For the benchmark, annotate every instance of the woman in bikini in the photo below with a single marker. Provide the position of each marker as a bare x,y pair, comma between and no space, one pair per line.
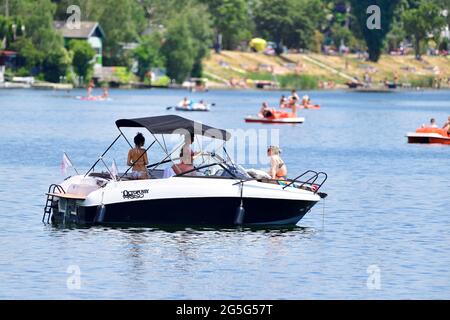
137,157
278,169
187,156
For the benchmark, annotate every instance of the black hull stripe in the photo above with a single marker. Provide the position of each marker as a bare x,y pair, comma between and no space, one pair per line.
194,211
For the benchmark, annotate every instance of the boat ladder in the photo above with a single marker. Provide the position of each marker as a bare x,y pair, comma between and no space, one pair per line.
50,200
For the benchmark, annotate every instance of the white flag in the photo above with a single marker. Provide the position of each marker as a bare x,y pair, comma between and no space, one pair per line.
114,170
65,163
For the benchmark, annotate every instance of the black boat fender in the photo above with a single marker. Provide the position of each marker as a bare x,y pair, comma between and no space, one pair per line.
240,211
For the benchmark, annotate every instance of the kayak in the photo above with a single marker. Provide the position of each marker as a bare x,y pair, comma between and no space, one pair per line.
194,107
429,136
277,117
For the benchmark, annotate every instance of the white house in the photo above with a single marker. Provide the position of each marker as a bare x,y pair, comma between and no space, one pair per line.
90,31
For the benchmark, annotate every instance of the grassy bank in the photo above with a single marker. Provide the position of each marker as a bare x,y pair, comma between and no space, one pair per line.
305,71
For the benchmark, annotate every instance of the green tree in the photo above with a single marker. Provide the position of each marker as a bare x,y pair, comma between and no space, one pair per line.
341,34
56,64
289,22
148,54
274,20
230,19
374,38
83,56
123,21
179,50
40,47
90,9
202,36
420,22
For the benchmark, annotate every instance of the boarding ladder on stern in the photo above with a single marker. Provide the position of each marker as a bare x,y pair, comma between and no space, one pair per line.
52,190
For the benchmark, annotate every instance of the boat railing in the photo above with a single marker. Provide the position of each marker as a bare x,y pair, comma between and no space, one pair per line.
314,180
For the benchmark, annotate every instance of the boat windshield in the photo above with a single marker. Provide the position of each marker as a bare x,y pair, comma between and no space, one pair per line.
212,165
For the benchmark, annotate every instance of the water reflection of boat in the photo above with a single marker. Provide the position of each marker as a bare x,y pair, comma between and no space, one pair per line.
429,136
215,192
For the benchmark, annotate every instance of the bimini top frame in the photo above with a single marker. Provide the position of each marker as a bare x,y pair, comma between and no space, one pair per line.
172,124
169,124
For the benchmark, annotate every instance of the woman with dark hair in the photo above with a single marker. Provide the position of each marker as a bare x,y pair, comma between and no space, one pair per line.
137,157
186,156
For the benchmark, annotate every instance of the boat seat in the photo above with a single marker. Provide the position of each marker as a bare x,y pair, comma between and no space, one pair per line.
156,174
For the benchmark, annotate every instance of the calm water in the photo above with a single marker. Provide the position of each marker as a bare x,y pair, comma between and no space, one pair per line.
388,205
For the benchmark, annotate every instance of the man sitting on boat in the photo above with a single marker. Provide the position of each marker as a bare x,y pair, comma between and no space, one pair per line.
433,124
185,103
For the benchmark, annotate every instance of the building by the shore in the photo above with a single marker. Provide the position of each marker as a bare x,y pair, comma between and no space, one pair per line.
90,31
6,60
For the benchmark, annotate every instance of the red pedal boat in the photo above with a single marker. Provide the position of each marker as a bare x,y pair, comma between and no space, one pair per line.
277,117
428,136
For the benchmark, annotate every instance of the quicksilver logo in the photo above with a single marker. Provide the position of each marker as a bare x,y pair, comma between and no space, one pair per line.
135,194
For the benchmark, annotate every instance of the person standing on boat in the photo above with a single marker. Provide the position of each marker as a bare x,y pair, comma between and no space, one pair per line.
283,101
137,157
293,100
90,87
278,169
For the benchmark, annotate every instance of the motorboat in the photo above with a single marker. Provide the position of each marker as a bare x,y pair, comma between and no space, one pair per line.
216,192
428,135
277,116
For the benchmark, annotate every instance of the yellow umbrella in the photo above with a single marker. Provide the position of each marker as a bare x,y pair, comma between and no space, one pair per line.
258,44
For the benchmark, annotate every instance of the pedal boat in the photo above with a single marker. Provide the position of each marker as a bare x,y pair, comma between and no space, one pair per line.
429,136
217,192
278,117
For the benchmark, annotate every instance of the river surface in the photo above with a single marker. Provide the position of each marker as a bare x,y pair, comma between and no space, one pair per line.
383,232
